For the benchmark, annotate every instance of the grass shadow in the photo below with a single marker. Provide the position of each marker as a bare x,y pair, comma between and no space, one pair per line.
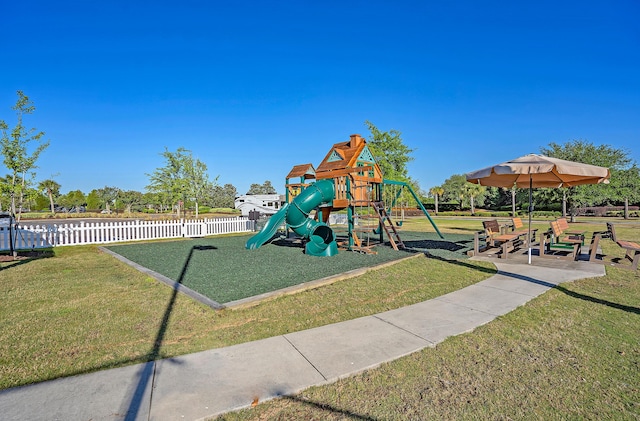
23,257
434,245
147,375
462,263
574,294
331,409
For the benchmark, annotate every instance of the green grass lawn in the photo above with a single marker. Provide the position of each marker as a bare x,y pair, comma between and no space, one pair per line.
83,310
573,353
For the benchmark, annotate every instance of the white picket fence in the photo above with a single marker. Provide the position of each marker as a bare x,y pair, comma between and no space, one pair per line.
53,235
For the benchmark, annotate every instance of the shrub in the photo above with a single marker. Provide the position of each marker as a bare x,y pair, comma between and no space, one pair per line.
546,214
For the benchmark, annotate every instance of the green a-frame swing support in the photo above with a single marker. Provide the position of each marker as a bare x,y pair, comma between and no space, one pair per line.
404,185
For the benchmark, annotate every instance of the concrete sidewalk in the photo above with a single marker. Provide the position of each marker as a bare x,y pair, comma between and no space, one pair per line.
204,384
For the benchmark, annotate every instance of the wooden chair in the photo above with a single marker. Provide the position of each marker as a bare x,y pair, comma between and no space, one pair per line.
632,250
568,231
494,238
552,248
518,227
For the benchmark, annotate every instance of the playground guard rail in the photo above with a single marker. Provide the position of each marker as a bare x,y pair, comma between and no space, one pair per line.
70,234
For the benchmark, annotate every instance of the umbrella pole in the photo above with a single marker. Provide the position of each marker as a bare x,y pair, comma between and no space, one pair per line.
530,210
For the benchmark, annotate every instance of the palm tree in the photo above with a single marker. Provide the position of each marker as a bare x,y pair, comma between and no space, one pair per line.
513,201
474,190
436,191
51,188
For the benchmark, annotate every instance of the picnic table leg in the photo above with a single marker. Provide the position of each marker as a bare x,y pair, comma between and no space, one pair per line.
545,246
476,244
593,252
636,259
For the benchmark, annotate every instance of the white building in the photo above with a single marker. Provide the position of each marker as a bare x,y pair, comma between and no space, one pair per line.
266,204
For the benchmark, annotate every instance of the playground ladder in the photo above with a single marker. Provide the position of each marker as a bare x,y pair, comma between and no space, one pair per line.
388,226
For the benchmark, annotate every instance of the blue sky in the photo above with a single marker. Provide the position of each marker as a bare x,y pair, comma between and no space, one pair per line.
254,88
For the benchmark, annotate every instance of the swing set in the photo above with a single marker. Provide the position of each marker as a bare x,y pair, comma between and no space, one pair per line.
396,190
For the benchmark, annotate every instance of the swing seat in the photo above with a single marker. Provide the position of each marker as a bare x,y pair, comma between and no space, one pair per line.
399,223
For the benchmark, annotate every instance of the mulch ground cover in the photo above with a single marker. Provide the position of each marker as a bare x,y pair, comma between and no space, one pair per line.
25,255
221,269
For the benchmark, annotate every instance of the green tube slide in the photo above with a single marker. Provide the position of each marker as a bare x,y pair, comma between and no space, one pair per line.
269,229
320,238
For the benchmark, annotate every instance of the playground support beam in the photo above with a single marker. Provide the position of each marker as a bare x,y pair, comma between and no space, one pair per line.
417,199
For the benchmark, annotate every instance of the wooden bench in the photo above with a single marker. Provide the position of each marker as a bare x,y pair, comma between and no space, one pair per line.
552,248
518,227
569,232
632,250
495,239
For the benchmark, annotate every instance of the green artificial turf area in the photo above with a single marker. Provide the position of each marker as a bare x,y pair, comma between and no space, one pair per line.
221,269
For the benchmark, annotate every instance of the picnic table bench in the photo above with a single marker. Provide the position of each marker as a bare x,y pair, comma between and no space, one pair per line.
495,238
553,245
518,227
632,249
569,232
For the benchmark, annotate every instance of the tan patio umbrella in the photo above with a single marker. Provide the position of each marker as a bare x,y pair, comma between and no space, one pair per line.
539,171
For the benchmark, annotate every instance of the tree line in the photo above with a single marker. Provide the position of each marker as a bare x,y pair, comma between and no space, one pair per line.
623,188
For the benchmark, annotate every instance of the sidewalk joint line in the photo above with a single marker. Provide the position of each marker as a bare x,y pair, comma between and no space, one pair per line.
153,383
469,308
305,357
516,292
429,343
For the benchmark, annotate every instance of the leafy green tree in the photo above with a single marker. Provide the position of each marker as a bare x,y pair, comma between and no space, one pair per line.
52,189
626,184
615,159
198,183
475,193
391,154
159,200
495,197
15,147
455,189
73,199
30,200
169,181
40,201
406,196
513,194
182,178
265,188
131,199
5,193
108,196
93,200
151,201
223,196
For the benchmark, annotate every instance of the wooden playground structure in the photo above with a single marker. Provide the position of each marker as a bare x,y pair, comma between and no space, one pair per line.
360,189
